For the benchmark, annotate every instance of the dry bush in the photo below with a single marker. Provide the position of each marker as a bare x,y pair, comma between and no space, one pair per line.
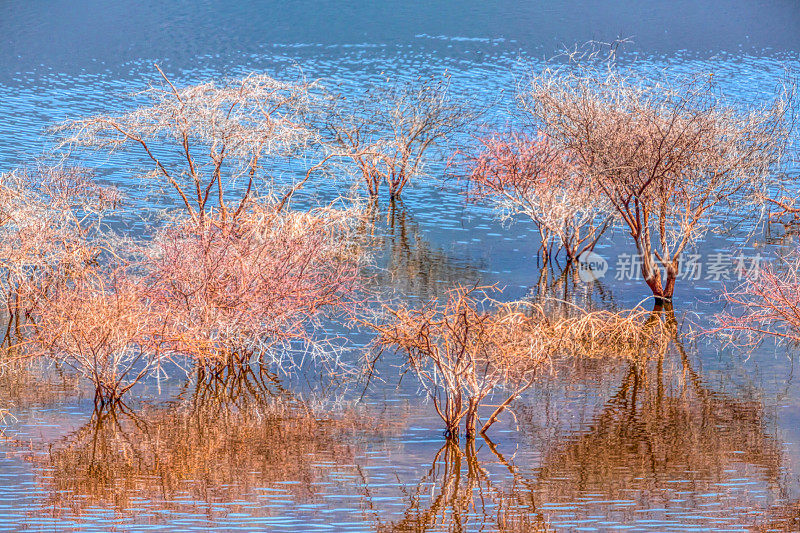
51,227
70,295
217,290
391,131
100,322
471,347
767,304
461,353
668,154
223,133
524,175
574,331
233,291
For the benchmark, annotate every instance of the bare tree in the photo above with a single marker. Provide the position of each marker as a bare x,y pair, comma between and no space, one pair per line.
235,292
470,347
51,226
667,154
766,304
462,353
523,175
222,132
392,130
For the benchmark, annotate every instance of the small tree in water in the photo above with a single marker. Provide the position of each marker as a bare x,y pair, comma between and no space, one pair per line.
524,175
391,131
667,155
222,133
239,292
462,352
470,347
70,291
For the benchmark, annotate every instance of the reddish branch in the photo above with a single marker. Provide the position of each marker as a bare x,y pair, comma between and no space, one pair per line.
527,175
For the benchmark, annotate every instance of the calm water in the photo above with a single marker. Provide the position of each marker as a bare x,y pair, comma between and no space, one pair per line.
707,440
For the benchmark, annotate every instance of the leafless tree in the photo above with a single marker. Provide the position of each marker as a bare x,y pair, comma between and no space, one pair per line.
524,175
224,132
391,131
667,153
470,347
241,291
766,304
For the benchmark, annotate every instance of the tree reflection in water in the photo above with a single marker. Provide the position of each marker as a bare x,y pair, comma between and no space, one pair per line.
665,442
236,438
458,493
413,265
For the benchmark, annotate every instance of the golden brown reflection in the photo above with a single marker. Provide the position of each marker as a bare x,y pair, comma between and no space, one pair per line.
24,384
458,493
413,265
236,437
782,518
665,440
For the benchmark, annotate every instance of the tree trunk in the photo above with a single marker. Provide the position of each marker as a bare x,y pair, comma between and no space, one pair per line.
452,410
669,285
471,419
662,289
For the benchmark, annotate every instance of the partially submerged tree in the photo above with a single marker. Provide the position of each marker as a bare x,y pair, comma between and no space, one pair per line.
222,135
70,294
462,352
216,289
391,132
766,304
470,348
235,292
524,175
99,322
667,154
240,274
51,227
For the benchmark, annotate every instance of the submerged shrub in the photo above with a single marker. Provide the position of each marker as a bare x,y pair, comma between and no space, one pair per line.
462,352
523,175
219,289
70,294
251,288
100,322
668,154
51,227
575,331
766,304
471,347
223,132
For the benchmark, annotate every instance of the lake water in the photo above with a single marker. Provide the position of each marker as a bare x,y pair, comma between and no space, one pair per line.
706,438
